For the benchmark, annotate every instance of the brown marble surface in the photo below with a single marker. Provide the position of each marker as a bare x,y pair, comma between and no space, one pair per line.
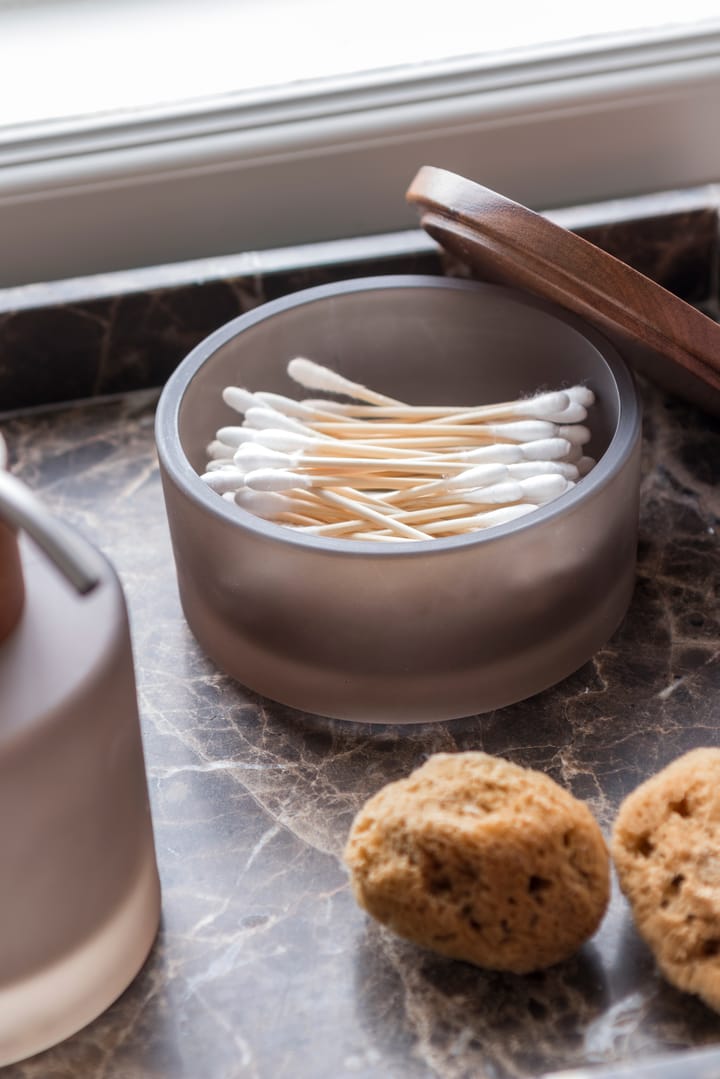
264,967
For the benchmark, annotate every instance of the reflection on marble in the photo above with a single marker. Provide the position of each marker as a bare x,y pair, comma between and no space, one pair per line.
264,967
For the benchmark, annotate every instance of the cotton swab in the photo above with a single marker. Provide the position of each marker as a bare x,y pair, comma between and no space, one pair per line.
581,395
519,431
315,377
539,406
238,398
576,434
224,479
251,456
524,469
219,449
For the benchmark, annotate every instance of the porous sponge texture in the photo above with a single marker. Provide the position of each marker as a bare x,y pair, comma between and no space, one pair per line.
479,859
666,849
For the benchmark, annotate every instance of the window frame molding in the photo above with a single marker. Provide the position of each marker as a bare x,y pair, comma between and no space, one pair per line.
553,126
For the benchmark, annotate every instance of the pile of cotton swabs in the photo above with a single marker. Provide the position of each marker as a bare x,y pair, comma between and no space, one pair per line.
383,470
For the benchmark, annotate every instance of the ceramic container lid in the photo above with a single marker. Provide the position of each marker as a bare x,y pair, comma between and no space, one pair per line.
660,335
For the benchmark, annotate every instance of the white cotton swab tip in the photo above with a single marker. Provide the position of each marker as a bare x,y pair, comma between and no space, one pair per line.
581,395
264,503
522,430
575,433
542,406
238,398
541,489
574,413
479,476
496,453
231,436
219,449
262,418
286,441
276,479
523,470
545,449
315,377
251,456
224,479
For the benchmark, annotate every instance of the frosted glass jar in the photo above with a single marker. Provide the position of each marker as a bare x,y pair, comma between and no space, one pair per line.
416,631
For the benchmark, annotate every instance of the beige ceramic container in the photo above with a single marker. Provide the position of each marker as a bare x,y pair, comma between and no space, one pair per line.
79,889
417,631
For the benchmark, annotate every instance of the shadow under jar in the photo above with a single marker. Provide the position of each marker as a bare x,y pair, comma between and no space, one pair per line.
418,631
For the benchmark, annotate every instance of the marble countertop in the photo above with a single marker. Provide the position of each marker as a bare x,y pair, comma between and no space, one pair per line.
264,967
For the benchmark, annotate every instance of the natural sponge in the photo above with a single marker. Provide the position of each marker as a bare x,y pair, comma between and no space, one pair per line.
479,859
666,848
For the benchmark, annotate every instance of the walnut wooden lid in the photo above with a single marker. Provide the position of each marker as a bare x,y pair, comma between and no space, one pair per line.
660,335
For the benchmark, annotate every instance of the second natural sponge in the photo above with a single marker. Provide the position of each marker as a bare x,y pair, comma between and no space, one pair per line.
666,848
479,859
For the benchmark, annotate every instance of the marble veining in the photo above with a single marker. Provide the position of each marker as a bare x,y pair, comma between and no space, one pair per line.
264,967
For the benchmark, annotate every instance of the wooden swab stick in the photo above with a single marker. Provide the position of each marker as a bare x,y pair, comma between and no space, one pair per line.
419,516
520,431
478,522
284,440
360,509
272,506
